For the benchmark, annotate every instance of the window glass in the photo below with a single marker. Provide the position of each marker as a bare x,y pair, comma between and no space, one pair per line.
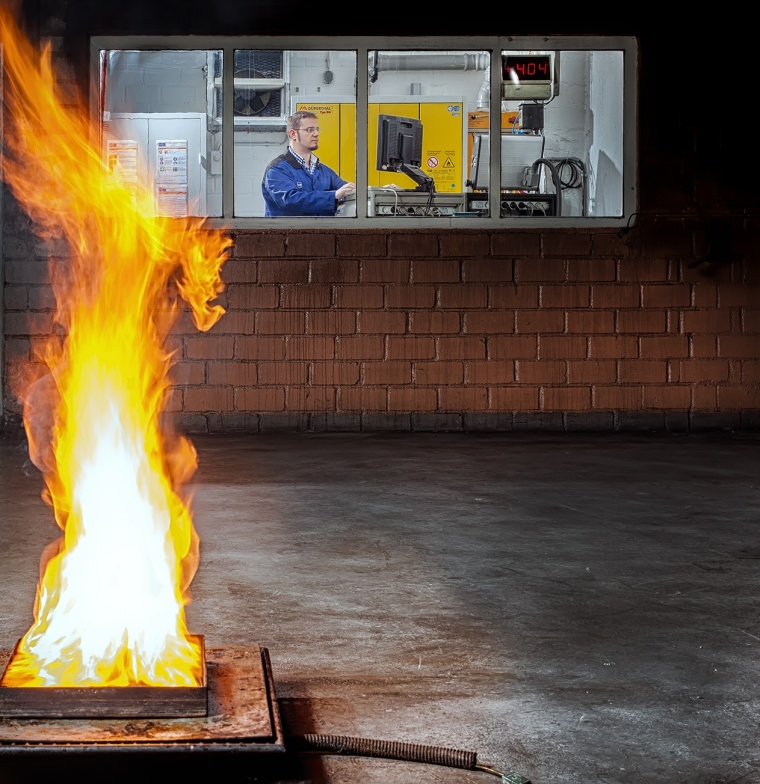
561,146
420,108
162,126
270,87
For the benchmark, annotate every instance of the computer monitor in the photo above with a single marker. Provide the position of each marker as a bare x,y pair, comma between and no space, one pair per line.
399,149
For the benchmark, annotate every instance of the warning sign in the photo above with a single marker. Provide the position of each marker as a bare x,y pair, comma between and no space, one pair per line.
448,164
432,162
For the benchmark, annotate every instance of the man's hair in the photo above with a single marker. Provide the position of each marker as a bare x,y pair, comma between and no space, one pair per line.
294,121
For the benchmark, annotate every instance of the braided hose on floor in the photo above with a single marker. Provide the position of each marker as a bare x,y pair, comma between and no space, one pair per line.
390,749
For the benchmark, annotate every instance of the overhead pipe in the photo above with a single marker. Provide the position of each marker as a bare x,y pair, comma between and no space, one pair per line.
461,61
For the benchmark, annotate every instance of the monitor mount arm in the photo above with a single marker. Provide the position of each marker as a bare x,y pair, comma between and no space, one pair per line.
424,181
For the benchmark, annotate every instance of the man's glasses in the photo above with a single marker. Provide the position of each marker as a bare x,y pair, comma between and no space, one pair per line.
310,129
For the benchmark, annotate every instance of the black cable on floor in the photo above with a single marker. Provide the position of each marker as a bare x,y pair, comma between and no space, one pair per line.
397,750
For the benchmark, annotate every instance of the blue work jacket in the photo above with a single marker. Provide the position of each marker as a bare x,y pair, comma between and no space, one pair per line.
290,190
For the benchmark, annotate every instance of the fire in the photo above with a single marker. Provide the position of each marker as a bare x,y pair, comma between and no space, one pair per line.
110,604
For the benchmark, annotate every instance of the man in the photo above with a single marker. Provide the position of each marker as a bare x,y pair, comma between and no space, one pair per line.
297,183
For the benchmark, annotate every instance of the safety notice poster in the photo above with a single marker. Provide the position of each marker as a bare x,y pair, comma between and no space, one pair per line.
122,161
171,177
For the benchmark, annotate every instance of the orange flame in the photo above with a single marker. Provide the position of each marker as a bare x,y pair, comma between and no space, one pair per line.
110,605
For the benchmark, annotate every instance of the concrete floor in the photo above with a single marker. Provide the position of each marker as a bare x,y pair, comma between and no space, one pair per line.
571,607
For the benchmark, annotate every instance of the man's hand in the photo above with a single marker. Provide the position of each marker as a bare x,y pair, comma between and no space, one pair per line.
344,190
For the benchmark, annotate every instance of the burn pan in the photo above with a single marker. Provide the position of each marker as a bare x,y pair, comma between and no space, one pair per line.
105,701
242,715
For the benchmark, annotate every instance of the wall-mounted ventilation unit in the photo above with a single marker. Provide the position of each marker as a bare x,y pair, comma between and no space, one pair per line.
260,80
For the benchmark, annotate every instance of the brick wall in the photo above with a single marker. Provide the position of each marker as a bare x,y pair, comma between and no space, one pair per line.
431,330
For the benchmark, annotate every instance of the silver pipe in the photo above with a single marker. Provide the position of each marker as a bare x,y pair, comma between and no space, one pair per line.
464,61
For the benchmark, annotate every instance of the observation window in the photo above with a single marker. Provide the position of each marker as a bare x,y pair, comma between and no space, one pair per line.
402,132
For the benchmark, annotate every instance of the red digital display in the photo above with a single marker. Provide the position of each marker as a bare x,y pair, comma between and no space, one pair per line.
526,67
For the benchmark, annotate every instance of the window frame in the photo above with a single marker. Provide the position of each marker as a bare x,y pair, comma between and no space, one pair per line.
363,46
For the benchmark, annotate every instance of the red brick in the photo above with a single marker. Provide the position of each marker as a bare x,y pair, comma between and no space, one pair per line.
490,322
461,348
738,346
234,322
438,373
539,321
540,372
313,348
253,297
608,244
363,399
310,398
540,270
662,347
15,298
706,295
465,244
707,321
515,243
562,347
704,398
309,297
330,322
566,399
643,270
283,374
703,346
638,321
16,348
361,347
699,370
437,271
486,271
257,245
332,271
620,296
462,297
592,271
421,321
490,372
463,399
592,371
281,271
28,324
362,245
661,398
210,347
751,321
236,374
591,322
288,322
647,371
260,399
513,347
411,399
411,348
514,398
240,271
416,244
522,296
208,399
335,373
260,348
737,296
735,398
361,297
311,244
189,373
40,298
385,271
566,243
750,371
617,398
410,296
565,296
382,322
671,295
386,373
